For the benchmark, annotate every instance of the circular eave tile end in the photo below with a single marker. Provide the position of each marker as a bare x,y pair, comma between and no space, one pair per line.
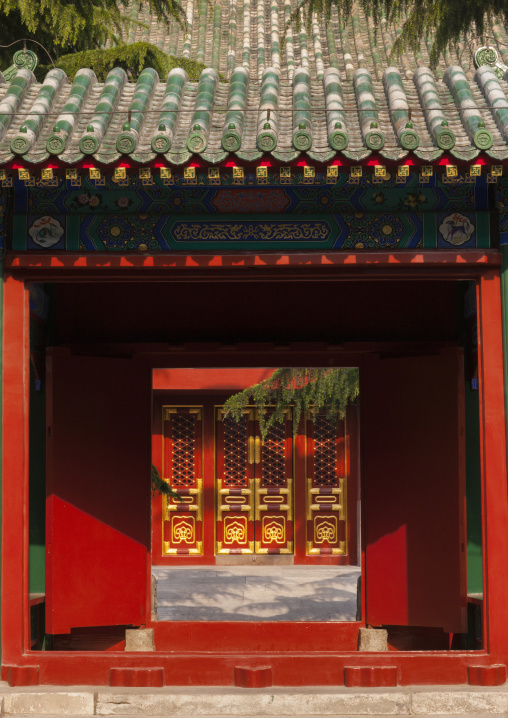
231,141
196,142
302,140
125,144
266,141
339,140
161,144
55,145
483,139
88,145
20,145
446,140
409,140
375,140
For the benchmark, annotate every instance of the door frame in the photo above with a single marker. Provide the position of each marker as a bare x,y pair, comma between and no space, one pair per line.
22,664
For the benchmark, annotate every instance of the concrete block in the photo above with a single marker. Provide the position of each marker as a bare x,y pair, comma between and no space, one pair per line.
373,639
247,677
139,639
49,703
459,702
494,675
203,702
155,616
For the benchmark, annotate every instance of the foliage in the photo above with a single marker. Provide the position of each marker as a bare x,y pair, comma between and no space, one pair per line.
65,26
330,390
132,58
162,487
441,22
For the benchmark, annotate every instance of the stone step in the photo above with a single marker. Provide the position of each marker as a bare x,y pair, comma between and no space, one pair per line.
261,703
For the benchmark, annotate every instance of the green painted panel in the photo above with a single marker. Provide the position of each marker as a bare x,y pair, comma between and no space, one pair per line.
482,230
18,232
37,488
473,493
429,231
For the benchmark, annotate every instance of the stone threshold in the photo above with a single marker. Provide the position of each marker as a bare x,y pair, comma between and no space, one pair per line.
208,702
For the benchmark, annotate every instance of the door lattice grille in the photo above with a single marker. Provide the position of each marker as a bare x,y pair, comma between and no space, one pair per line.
183,449
325,430
274,457
235,451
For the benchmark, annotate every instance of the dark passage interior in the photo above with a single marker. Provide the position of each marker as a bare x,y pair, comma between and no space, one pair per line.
219,323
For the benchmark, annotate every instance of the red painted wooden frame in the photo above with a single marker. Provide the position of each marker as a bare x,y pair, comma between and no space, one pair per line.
299,654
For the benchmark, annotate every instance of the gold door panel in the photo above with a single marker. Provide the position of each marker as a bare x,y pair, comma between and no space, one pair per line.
326,487
182,460
274,489
234,461
254,486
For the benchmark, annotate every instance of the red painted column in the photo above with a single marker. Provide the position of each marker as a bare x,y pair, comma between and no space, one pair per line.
15,629
493,444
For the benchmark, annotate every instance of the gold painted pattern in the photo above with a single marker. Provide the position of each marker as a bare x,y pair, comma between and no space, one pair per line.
326,492
183,515
315,231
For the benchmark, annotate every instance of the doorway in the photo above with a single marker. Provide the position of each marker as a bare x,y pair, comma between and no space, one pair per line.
262,529
292,498
383,446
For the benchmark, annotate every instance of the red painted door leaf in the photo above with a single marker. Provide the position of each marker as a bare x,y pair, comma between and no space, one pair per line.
98,491
415,491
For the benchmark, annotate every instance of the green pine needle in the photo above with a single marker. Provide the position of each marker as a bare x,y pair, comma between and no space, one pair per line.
328,390
162,487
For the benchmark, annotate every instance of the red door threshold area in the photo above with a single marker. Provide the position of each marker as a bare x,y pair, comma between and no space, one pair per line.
255,669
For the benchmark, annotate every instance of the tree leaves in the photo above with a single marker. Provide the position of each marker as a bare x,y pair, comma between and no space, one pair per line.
440,23
330,390
132,58
65,26
162,487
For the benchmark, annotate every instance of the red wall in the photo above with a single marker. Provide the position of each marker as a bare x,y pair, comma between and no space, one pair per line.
232,378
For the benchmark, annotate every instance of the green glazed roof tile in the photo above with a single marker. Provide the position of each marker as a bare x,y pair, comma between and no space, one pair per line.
331,91
127,141
397,100
367,110
11,101
302,118
162,138
84,80
494,96
467,107
31,127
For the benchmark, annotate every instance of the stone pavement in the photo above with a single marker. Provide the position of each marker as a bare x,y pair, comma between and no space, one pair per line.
261,703
261,593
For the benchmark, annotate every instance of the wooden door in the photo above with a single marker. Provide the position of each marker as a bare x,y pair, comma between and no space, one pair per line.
254,485
235,460
98,489
182,468
274,488
415,491
328,460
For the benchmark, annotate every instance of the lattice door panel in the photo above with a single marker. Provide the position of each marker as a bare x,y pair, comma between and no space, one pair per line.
327,469
235,483
274,489
182,461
